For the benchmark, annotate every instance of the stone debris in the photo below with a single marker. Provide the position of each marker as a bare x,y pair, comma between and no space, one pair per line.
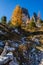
23,54
3,60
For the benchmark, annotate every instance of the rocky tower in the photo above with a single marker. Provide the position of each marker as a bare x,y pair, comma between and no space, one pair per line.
25,14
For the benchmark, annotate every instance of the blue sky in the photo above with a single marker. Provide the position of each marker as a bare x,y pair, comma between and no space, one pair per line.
7,7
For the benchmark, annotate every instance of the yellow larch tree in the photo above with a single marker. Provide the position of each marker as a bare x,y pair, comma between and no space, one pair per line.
16,18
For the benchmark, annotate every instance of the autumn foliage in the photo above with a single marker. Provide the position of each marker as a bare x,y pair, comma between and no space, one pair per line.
16,19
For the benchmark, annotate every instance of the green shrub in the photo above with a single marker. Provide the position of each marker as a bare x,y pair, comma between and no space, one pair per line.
32,25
